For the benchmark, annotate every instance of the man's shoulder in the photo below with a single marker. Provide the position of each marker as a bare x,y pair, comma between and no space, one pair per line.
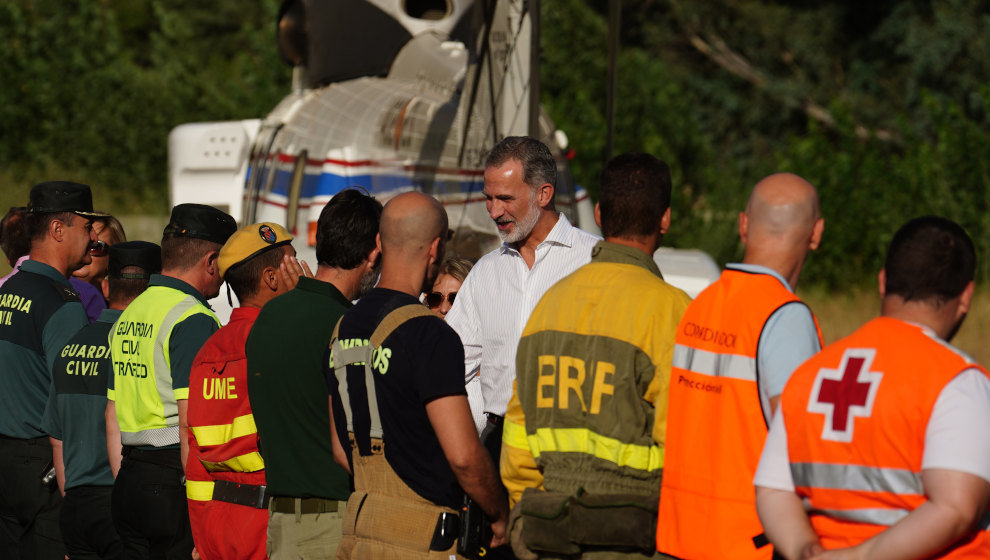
33,292
580,237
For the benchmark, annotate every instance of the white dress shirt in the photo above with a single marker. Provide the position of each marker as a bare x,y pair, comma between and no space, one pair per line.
496,299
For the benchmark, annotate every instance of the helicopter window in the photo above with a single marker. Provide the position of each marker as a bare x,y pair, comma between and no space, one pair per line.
428,9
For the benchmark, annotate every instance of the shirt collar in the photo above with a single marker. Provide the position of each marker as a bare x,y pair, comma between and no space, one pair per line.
605,251
757,269
176,284
109,315
45,270
561,234
323,288
244,312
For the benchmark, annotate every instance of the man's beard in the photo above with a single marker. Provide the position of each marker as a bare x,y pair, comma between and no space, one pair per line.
524,226
369,280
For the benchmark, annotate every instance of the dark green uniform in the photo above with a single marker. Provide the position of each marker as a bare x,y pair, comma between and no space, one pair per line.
289,395
75,415
289,400
39,312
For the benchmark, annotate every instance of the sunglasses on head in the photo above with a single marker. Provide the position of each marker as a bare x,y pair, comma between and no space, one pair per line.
434,299
98,248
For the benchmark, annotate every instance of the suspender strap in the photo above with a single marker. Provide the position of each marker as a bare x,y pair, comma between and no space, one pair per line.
364,354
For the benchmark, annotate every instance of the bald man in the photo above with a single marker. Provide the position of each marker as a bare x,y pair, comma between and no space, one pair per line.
404,391
737,345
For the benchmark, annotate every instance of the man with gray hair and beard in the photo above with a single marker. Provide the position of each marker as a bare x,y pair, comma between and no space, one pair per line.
540,246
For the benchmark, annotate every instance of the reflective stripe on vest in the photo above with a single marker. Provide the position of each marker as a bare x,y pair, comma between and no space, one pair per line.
716,422
857,477
732,366
249,462
582,440
220,434
857,485
158,424
199,490
873,516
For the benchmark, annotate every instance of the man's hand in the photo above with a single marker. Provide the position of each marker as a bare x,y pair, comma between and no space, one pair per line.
786,524
452,422
291,270
498,533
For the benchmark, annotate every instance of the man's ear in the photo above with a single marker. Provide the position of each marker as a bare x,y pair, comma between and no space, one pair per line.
964,300
816,233
105,288
743,227
435,250
882,282
56,229
544,195
373,257
210,260
598,216
270,277
665,222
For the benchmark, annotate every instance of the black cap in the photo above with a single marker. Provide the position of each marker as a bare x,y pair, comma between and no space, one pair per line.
142,254
62,196
201,222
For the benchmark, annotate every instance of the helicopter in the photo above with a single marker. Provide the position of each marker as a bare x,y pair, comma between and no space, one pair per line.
391,96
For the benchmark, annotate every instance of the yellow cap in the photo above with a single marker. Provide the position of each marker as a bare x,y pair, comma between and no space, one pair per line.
249,242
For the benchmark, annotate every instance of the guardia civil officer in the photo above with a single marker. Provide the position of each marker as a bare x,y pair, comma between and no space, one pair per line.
153,346
39,312
74,416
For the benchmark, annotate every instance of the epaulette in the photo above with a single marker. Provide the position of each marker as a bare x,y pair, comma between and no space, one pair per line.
67,294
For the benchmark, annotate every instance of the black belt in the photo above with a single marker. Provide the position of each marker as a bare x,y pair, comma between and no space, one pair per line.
168,457
494,419
285,504
250,495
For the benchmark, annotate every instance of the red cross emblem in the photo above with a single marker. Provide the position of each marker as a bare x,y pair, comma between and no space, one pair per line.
844,393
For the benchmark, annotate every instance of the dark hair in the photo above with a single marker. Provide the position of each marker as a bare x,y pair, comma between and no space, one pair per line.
125,289
633,194
243,276
537,162
346,230
37,224
14,238
182,253
930,258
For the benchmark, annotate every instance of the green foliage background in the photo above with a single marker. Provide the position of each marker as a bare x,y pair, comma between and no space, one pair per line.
884,105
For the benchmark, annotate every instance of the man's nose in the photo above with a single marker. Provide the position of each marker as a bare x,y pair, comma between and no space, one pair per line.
495,209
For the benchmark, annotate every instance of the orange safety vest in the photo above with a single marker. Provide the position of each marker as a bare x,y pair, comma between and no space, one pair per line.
223,439
856,416
715,424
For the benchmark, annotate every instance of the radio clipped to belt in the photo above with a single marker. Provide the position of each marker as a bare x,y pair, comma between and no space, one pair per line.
475,531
